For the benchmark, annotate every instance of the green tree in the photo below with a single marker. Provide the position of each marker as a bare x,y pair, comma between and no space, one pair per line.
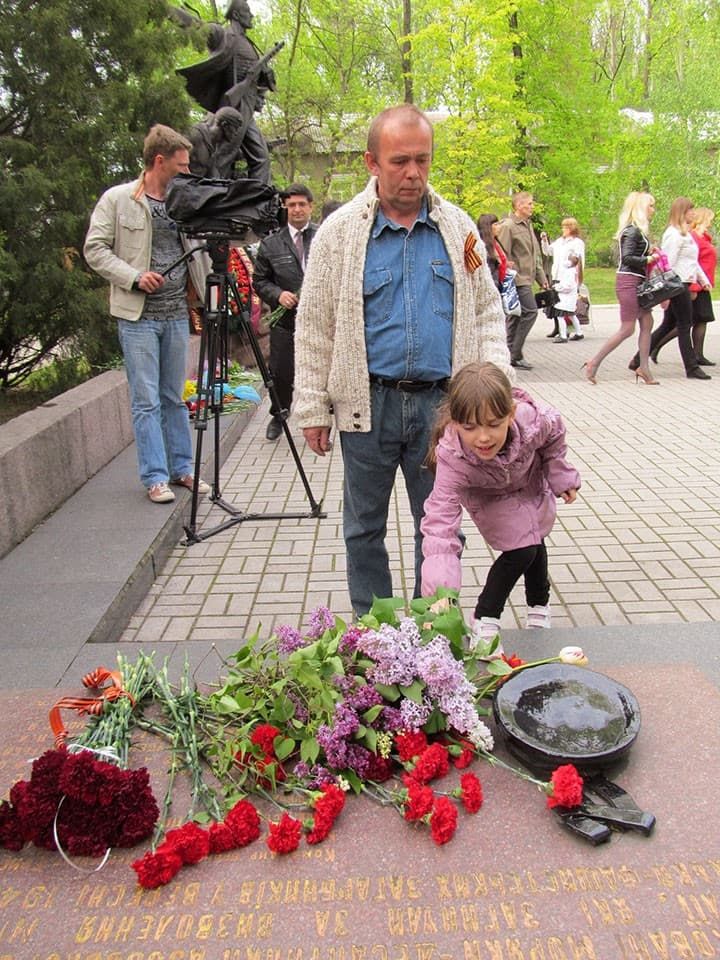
80,83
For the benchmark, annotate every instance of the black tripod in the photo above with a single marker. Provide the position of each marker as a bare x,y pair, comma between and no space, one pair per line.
220,287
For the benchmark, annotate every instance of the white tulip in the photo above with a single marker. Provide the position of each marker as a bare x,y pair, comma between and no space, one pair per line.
573,655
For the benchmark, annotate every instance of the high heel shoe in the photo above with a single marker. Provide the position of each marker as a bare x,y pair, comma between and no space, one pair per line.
646,378
589,372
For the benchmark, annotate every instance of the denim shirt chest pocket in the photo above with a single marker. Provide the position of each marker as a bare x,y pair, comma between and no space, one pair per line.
377,293
443,289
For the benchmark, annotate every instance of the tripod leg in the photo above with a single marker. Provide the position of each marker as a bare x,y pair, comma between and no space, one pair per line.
249,334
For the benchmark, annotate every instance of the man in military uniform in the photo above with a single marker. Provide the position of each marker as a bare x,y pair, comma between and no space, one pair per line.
218,81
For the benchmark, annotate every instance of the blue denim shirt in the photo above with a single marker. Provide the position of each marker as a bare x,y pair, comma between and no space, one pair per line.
408,290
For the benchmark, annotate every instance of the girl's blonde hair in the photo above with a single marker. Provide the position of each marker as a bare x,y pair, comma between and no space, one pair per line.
701,219
476,391
679,210
634,212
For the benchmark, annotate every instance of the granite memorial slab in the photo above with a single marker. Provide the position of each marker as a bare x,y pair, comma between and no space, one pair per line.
513,884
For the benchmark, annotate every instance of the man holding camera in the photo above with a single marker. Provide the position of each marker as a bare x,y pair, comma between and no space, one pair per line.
131,242
279,271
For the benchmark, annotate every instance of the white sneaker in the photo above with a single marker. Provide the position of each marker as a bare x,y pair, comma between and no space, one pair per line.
161,493
187,481
483,632
538,618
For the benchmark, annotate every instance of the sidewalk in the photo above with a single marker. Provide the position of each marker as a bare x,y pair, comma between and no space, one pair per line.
639,549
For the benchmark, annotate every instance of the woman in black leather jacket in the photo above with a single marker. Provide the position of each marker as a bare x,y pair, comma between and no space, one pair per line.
636,255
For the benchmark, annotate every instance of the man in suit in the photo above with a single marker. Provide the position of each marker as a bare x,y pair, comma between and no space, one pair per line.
279,270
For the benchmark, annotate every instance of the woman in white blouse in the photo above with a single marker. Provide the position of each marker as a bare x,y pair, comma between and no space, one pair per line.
679,245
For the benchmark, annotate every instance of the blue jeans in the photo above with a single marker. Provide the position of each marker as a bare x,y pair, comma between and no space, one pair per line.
155,356
400,434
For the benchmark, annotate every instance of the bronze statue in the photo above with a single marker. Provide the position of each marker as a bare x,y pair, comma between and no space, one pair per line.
236,75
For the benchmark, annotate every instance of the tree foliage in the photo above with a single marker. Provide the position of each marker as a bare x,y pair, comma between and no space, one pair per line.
80,83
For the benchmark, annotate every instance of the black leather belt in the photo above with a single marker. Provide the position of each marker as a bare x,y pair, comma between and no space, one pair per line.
408,386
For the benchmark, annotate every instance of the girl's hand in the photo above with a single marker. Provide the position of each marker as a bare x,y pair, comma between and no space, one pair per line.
569,496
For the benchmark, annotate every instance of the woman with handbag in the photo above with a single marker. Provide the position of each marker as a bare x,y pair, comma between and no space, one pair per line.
569,243
636,257
702,311
681,251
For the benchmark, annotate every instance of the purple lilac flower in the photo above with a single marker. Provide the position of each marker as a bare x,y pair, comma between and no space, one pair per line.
301,712
320,620
358,759
334,747
414,715
349,640
391,719
364,697
289,639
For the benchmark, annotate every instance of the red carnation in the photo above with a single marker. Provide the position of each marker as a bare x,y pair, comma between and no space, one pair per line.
322,825
419,801
190,841
431,764
263,736
284,836
465,758
331,801
244,823
410,745
512,660
566,786
443,820
221,838
155,869
471,792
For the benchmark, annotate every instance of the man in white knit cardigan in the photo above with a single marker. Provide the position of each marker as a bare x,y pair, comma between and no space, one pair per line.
395,299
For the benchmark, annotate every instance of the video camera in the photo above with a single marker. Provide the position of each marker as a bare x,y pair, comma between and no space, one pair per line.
241,209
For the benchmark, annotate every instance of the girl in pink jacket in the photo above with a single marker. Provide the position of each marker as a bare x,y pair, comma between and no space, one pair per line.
501,456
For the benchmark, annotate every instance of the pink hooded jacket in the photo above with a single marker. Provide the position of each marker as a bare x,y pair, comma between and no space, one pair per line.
511,499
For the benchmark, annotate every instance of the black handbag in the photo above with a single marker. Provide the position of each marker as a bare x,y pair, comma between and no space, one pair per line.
659,286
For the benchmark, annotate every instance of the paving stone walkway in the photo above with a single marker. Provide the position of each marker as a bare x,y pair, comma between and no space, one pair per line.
639,546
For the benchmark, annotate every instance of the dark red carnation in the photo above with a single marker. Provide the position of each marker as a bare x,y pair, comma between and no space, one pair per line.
419,801
567,787
410,745
155,869
11,831
431,764
221,838
379,769
443,820
284,836
244,823
471,792
190,841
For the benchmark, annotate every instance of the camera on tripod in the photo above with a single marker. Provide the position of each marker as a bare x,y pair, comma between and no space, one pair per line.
225,213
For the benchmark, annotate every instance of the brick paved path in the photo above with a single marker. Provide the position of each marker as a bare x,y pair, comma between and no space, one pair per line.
640,545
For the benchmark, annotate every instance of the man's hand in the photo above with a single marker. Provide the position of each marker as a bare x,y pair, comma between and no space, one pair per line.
318,439
150,282
288,300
